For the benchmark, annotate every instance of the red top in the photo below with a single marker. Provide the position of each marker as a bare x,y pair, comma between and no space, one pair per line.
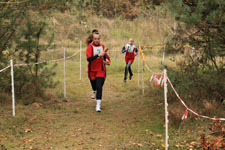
130,55
96,64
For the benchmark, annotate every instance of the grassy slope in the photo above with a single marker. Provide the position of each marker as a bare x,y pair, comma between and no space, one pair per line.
128,121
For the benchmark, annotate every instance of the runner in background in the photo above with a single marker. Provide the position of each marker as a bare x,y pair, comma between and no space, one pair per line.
131,51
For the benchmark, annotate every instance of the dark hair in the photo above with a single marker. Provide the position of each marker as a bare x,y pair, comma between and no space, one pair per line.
90,37
95,31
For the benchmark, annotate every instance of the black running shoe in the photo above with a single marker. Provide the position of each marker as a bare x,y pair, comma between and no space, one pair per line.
130,77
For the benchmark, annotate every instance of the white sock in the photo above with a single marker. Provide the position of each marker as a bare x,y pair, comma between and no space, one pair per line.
98,105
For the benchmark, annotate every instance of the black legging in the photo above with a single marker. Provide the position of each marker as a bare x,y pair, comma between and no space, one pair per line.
97,86
128,68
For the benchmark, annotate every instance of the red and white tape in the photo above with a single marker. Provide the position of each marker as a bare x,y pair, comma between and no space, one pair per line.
159,80
156,78
5,68
188,109
49,61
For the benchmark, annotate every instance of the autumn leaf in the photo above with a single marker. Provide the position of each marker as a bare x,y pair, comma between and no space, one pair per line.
28,130
214,143
189,132
158,135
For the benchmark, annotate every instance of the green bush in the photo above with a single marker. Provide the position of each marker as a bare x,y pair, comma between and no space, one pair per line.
197,86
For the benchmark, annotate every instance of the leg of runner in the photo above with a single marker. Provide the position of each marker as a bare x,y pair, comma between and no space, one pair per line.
99,85
130,71
126,72
93,85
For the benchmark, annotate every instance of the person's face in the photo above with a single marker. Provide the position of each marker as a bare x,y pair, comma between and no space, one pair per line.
96,39
131,42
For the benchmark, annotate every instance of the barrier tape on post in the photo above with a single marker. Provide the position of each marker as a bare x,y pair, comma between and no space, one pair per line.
155,77
188,109
157,80
12,73
49,61
153,47
5,68
162,46
163,81
142,56
146,65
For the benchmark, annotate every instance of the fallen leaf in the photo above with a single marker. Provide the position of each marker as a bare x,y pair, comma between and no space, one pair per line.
189,132
28,130
79,129
158,135
179,145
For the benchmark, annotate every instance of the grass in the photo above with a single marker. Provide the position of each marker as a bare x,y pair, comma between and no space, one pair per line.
129,120
114,32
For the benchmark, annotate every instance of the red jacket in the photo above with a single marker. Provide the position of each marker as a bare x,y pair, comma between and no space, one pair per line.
95,62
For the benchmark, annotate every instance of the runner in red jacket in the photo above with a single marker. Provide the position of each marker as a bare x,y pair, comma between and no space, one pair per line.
97,58
131,52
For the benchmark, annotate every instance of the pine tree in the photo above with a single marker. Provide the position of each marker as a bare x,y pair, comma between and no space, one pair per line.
201,24
204,28
18,31
29,49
